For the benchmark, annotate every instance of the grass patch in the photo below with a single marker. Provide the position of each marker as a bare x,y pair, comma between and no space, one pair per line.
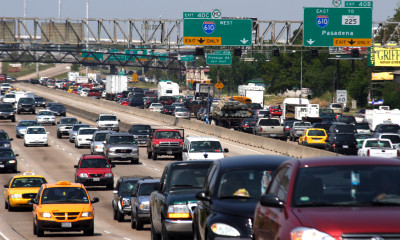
143,85
61,76
27,68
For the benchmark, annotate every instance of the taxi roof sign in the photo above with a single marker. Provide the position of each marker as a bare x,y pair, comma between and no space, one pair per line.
29,173
63,183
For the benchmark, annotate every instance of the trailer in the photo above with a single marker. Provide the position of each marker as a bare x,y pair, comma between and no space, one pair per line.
255,93
309,113
167,88
203,90
289,107
379,116
115,84
228,114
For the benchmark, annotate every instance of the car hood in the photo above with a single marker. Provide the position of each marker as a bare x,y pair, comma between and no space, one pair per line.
122,145
235,207
65,207
336,220
2,159
210,155
94,170
23,190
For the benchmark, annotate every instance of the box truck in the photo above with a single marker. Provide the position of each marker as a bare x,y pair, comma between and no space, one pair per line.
115,84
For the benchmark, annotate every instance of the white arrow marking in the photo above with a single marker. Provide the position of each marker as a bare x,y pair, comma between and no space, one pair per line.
244,41
310,41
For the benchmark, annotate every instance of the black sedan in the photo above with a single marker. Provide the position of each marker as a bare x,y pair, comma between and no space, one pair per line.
8,160
228,200
40,101
57,109
247,125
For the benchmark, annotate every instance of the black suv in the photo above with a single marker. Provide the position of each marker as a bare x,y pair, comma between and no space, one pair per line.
343,143
122,195
5,141
7,111
26,105
8,160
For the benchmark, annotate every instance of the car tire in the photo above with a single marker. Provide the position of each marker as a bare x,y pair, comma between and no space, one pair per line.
115,214
120,216
34,229
14,170
13,119
139,222
110,186
59,135
133,223
149,155
5,205
154,235
89,232
154,156
39,231
164,232
53,124
18,112
135,161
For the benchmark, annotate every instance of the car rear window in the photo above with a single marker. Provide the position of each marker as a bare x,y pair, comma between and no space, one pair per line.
269,122
301,124
316,133
362,126
390,128
392,138
345,128
345,137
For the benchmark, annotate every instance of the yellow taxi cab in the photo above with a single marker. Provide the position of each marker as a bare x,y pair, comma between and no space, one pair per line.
313,137
22,188
71,88
63,207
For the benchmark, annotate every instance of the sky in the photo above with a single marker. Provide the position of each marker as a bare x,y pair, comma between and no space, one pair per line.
173,9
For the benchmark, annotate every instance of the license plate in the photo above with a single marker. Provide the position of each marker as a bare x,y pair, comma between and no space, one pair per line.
1,166
96,179
66,224
345,146
169,152
272,135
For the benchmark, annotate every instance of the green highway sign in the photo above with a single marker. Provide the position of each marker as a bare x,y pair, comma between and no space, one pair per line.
196,15
222,52
337,27
137,52
187,58
119,57
217,32
218,59
91,56
161,56
368,4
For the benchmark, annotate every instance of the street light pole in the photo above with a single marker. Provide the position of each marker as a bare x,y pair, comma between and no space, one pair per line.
59,10
301,74
87,33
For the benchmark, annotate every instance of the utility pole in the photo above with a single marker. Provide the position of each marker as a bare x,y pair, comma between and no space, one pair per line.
59,10
87,32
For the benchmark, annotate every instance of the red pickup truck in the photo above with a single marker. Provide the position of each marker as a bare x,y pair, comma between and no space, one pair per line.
165,142
94,93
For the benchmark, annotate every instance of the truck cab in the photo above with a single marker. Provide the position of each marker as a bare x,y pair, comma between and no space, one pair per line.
165,142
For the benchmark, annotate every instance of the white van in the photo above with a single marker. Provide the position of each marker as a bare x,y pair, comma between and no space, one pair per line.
200,148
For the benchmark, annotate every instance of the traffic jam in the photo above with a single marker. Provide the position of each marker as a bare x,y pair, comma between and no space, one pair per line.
204,191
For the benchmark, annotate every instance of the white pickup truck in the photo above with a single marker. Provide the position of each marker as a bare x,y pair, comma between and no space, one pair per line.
269,127
375,147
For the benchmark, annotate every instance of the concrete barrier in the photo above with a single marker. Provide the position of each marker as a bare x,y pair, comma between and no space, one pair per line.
270,144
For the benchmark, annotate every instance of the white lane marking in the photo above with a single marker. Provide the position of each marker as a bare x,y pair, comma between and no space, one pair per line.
155,169
70,153
4,236
63,149
125,238
51,141
22,159
27,165
107,232
58,145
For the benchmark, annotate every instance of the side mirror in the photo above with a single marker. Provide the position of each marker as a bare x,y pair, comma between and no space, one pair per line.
119,120
16,154
226,150
270,200
203,196
32,201
94,200
5,185
115,191
79,122
112,165
75,166
184,150
11,139
58,122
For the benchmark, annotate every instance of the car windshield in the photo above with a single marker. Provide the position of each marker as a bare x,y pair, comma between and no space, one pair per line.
64,195
87,131
349,185
127,186
146,189
27,123
36,131
46,113
243,183
168,134
9,96
27,182
26,100
364,126
100,136
183,177
249,122
390,128
57,107
6,108
108,118
4,153
94,163
377,144
393,138
122,140
68,121
140,129
76,127
323,126
319,133
205,146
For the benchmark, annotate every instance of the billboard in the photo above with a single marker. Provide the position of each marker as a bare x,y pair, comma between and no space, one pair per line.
382,76
384,56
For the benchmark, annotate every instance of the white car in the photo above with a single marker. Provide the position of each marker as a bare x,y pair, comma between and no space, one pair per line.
200,148
9,98
36,135
156,107
5,86
84,92
46,117
108,122
84,137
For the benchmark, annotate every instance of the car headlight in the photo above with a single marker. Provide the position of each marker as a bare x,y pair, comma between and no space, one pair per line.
126,201
224,230
45,215
144,206
302,233
16,196
111,150
178,211
7,145
12,161
83,175
108,175
87,214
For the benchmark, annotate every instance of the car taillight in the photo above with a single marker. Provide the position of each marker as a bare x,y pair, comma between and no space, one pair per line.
151,108
260,129
368,153
305,138
398,153
287,128
245,125
165,110
333,145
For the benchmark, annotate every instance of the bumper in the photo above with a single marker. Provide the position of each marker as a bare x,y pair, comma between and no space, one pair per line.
109,128
24,109
347,151
8,166
48,121
144,215
316,145
19,202
179,228
122,156
168,151
98,150
7,116
54,226
83,143
38,142
101,181
273,135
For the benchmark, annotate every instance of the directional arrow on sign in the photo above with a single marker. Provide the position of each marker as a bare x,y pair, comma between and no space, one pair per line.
201,41
310,41
351,42
244,41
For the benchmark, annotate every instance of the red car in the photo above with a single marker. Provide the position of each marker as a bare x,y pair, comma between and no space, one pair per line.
331,198
275,111
94,170
125,102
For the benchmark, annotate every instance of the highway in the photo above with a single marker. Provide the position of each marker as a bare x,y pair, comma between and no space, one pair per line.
56,163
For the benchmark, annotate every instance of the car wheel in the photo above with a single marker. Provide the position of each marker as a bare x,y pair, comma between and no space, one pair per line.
39,231
13,119
133,223
53,124
154,156
5,205
18,112
70,140
25,144
115,214
34,229
59,135
110,186
89,232
120,216
154,235
164,232
149,155
17,136
139,223
135,161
